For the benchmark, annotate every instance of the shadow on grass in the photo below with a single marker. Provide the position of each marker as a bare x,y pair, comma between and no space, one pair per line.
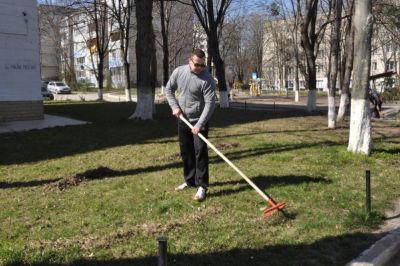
273,149
388,151
92,174
275,132
110,127
337,250
264,182
32,183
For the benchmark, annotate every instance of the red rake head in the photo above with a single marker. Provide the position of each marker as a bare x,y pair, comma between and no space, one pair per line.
275,207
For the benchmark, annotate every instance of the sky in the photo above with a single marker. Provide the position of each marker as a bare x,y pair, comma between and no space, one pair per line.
249,6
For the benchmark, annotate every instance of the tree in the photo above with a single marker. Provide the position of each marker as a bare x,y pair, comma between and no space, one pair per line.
360,139
175,34
146,61
94,14
255,41
387,14
334,62
295,43
211,14
310,40
121,11
279,55
164,33
99,31
347,63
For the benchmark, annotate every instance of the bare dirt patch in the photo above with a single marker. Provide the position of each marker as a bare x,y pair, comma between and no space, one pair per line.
122,235
75,180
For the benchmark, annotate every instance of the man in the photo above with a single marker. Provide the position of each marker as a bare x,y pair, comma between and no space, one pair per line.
376,100
196,102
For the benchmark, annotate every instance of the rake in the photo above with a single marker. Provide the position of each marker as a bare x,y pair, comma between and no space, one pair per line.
267,211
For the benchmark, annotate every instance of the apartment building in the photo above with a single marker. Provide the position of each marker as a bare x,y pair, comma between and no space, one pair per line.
279,60
74,52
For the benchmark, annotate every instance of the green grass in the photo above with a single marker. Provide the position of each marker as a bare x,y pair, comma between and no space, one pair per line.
126,200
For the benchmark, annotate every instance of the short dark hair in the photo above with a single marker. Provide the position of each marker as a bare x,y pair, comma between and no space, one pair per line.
198,52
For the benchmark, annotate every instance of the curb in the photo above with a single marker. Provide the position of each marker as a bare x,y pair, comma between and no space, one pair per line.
381,252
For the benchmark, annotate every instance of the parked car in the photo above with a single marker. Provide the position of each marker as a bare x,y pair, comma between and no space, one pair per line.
58,87
46,94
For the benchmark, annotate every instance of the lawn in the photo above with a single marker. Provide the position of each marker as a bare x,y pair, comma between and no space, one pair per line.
102,193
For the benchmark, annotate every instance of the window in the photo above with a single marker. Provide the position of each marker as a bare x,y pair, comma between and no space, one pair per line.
321,53
80,74
320,68
80,60
374,66
113,54
390,65
320,84
116,71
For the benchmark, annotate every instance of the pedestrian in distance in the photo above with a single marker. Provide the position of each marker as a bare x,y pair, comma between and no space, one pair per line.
196,102
377,101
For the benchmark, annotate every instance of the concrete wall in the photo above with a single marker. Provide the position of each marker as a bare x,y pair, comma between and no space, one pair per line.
20,96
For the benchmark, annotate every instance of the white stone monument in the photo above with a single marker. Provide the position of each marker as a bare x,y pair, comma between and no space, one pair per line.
20,96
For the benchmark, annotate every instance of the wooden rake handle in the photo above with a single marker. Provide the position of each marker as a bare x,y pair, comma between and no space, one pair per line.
259,191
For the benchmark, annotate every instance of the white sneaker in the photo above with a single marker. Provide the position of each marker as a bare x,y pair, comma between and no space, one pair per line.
182,187
200,195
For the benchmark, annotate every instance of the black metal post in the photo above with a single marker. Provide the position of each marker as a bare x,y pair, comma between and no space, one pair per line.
368,192
245,106
162,251
274,106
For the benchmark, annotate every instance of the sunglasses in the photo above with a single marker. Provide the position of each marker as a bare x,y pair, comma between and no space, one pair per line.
198,65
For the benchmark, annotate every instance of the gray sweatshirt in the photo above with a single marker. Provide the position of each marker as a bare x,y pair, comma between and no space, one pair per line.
196,94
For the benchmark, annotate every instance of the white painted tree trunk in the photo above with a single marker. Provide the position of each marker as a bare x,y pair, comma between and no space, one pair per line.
128,96
344,98
331,112
144,107
100,94
312,100
360,139
223,99
296,92
296,96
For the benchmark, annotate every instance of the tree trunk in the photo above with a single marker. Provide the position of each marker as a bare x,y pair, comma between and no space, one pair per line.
218,62
128,96
360,139
346,77
145,53
296,75
311,84
308,41
347,66
100,80
334,63
165,45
